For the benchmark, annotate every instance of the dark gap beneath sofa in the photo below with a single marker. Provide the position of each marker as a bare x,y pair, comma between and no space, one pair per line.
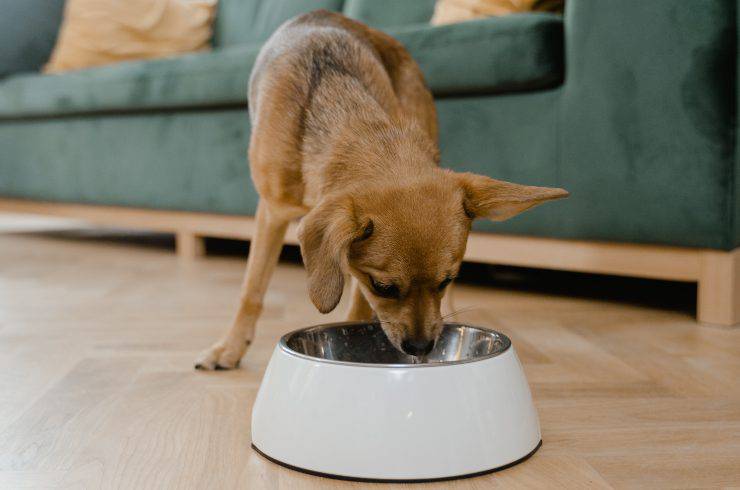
669,295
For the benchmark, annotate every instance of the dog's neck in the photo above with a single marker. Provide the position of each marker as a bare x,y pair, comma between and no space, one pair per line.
365,150
352,140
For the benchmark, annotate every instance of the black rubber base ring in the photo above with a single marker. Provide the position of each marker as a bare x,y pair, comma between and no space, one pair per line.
383,480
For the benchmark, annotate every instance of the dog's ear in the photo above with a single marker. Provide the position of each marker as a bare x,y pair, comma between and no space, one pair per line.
325,234
499,200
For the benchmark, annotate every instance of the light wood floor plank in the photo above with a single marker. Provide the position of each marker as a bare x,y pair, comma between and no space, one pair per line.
98,332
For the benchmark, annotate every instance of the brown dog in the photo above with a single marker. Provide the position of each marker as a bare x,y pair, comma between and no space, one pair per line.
344,131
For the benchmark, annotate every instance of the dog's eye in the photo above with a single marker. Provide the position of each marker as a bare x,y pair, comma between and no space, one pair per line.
385,290
444,283
366,232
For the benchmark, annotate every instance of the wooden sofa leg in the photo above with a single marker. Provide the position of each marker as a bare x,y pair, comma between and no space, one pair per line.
719,288
189,245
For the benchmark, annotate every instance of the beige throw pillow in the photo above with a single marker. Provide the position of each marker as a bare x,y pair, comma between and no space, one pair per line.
451,11
99,32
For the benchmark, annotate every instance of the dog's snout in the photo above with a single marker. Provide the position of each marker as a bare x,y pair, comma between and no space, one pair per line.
417,347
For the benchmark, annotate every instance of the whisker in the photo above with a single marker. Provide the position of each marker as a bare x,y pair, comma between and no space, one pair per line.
448,315
461,310
381,321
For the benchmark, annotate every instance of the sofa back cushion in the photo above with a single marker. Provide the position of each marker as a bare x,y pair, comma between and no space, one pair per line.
28,30
252,21
389,13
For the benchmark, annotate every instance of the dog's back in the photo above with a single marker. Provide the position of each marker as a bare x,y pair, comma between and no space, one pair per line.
321,44
316,73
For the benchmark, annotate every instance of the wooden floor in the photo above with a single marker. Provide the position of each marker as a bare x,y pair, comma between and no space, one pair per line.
97,390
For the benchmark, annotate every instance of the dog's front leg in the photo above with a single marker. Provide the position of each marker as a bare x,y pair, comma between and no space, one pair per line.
359,309
263,257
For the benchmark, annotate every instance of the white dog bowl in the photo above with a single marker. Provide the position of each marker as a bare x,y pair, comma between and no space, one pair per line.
339,400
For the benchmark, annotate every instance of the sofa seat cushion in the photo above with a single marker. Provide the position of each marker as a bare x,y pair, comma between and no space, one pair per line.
494,55
512,53
194,80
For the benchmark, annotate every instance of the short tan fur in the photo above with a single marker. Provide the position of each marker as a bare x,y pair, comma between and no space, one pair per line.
344,135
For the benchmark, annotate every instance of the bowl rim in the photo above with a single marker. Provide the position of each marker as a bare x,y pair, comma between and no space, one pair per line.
283,345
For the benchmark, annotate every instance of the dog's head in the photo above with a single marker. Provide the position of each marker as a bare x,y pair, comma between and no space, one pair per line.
404,244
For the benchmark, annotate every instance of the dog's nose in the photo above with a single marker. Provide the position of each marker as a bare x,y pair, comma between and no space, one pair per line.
417,347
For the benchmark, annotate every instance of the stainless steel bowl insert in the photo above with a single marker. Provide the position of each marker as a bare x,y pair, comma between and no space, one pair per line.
365,344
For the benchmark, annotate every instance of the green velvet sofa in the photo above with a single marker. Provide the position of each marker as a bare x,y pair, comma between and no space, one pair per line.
629,105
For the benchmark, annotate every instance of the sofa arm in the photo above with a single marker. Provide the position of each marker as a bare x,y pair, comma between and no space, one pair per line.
693,40
649,101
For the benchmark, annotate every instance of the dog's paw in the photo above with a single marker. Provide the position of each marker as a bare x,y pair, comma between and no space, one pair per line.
220,356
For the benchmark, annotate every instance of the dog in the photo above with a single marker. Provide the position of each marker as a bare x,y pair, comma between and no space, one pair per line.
344,135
